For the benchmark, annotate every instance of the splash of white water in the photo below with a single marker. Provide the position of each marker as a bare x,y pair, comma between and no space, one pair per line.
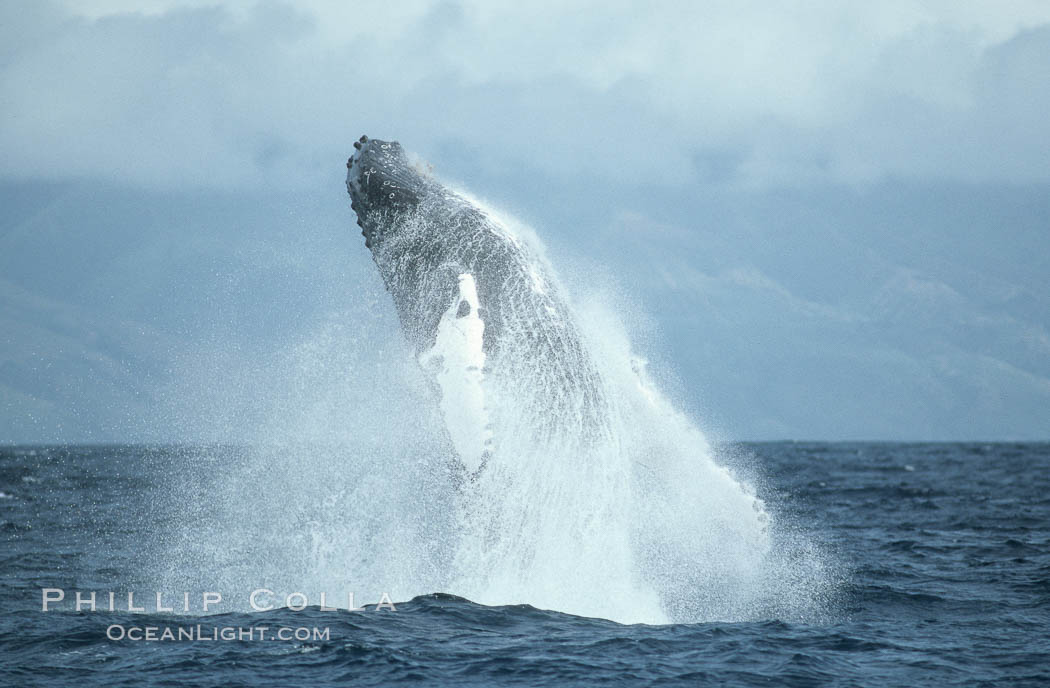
349,490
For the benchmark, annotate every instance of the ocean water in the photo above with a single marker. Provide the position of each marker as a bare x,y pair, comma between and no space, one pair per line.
935,570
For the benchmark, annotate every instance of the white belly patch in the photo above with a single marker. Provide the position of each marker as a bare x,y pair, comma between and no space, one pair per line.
457,362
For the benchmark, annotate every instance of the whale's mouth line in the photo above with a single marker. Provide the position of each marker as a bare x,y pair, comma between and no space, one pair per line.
353,187
354,161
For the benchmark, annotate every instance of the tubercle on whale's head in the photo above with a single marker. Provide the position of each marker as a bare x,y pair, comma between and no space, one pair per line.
380,177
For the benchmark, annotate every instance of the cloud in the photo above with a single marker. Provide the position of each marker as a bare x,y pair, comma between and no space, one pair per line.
748,94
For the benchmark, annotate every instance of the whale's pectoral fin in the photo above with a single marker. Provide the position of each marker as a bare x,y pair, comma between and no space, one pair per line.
457,361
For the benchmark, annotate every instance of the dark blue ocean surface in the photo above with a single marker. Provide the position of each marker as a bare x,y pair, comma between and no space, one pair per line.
945,550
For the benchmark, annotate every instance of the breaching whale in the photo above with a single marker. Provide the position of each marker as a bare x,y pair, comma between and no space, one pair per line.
485,318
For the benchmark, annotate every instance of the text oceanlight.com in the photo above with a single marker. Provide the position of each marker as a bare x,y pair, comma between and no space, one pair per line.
216,633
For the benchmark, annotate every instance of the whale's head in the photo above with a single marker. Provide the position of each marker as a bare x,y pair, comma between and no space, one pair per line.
381,181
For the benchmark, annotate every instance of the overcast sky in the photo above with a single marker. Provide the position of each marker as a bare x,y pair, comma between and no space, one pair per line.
788,93
731,133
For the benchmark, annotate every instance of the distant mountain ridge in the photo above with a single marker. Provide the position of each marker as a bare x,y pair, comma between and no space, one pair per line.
898,312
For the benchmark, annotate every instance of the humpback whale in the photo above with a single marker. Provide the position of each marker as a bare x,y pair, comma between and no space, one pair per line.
482,312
